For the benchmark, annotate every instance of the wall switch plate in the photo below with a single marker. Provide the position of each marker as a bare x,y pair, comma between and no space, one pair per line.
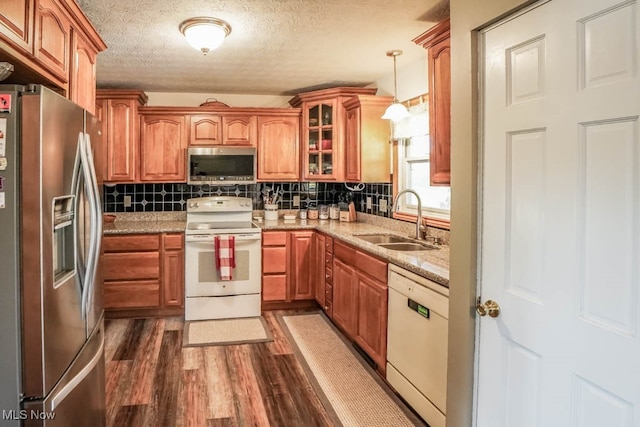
296,201
369,203
383,204
127,201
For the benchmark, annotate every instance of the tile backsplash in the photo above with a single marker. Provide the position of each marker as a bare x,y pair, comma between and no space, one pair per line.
172,197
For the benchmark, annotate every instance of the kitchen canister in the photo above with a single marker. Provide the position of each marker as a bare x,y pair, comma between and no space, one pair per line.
323,212
270,212
334,211
303,214
312,213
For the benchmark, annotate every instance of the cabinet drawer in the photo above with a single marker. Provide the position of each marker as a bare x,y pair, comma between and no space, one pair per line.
132,294
131,266
372,266
274,260
274,238
131,243
345,253
173,241
274,288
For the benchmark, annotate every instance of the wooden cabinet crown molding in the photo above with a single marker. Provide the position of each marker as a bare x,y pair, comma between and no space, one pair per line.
434,35
132,94
222,111
324,94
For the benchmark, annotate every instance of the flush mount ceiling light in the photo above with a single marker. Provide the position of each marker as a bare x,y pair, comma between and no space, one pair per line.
395,112
205,34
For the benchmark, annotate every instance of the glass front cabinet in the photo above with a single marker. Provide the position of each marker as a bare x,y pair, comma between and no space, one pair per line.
323,131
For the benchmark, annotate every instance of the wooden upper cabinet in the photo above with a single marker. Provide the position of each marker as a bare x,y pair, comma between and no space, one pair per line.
163,143
53,38
367,139
118,110
205,129
82,85
278,148
239,130
437,41
323,131
16,23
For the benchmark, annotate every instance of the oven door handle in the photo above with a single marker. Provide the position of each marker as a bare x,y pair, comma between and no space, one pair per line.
208,238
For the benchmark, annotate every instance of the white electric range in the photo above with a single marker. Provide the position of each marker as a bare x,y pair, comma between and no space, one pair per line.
206,295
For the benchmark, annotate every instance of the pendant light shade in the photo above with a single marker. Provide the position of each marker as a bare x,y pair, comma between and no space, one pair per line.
395,112
205,34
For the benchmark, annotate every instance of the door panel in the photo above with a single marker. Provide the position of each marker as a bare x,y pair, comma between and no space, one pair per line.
560,217
53,325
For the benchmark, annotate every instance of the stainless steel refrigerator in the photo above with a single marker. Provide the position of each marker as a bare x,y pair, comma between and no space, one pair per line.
51,317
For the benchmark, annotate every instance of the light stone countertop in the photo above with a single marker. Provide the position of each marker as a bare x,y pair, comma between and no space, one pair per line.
142,222
431,264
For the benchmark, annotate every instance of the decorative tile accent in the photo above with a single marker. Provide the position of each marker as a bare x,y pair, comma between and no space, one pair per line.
172,197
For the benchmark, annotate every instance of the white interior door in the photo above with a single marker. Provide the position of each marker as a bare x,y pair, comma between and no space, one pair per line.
560,217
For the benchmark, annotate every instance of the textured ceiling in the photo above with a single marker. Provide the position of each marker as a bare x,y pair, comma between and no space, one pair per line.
276,46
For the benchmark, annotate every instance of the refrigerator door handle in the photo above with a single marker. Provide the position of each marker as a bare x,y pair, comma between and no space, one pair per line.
81,267
96,224
57,399
92,259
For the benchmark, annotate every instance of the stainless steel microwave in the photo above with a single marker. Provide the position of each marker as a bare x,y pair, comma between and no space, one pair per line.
221,165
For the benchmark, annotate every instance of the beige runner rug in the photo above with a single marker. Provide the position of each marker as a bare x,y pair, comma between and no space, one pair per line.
225,332
357,398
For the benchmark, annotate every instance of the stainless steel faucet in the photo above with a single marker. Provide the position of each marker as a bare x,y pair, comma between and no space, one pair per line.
419,226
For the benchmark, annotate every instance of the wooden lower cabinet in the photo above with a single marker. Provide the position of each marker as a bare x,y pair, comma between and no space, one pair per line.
345,297
371,332
143,274
274,266
300,277
360,300
287,266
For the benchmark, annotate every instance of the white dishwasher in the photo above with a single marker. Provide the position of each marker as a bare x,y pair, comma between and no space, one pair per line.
417,343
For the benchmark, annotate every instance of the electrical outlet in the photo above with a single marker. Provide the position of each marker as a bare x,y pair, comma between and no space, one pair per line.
296,201
369,203
383,204
127,201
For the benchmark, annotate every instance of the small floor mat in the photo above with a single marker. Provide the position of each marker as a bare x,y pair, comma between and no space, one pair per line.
225,332
350,387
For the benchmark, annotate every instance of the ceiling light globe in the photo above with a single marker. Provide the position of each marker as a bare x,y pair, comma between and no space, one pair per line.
205,34
396,112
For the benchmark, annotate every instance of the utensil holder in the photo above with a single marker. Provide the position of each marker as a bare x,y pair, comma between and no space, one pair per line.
270,212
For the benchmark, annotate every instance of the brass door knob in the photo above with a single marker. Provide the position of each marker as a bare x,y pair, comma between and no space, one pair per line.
490,307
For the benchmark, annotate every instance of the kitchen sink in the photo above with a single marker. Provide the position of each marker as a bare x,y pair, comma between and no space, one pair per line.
383,238
396,243
407,246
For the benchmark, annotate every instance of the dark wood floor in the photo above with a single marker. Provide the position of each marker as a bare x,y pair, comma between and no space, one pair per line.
153,381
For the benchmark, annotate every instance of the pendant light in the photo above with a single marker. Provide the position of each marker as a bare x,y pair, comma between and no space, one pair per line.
395,112
205,34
